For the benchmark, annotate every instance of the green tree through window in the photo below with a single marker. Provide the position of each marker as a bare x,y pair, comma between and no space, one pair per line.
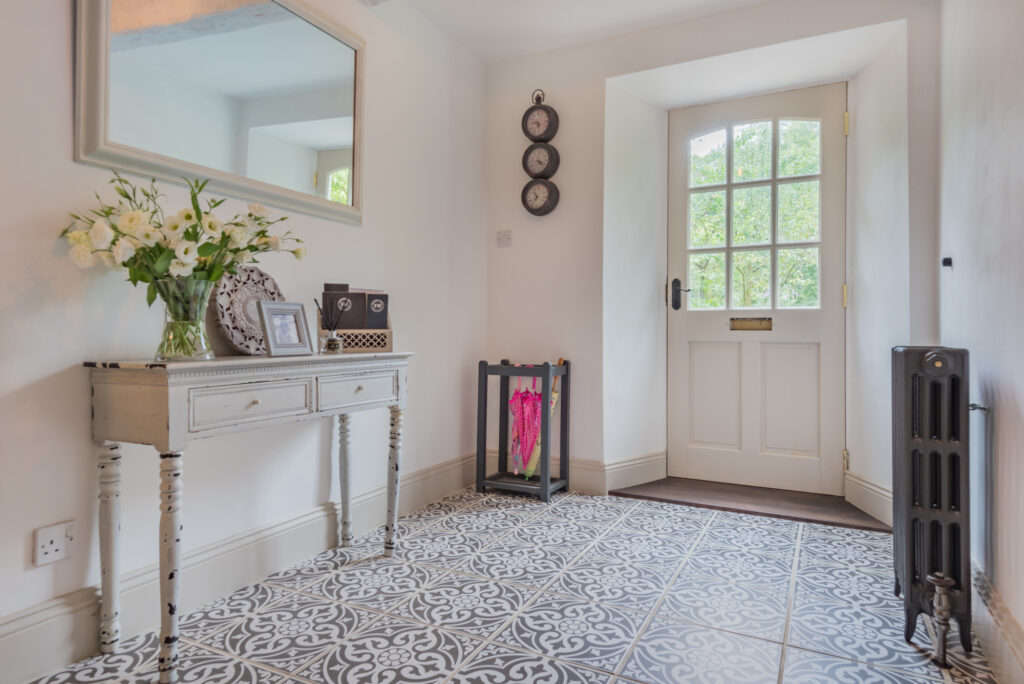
337,185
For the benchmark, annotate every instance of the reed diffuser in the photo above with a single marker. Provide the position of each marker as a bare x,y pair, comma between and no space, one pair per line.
333,343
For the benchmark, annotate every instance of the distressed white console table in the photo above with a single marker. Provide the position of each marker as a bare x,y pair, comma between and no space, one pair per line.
167,405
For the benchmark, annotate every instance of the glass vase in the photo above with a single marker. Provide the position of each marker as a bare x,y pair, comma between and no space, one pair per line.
184,337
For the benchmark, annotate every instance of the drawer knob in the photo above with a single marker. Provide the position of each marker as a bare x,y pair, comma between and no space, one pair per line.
254,402
359,388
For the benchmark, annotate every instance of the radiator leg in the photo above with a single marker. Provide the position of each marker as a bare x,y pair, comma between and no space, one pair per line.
911,625
964,625
896,589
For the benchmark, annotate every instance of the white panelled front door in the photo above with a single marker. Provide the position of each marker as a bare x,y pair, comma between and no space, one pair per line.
757,204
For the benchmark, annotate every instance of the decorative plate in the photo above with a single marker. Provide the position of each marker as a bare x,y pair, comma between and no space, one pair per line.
236,301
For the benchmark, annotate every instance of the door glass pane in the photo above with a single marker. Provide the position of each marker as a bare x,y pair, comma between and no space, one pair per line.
707,159
798,278
799,148
707,281
752,151
752,215
751,279
707,219
799,211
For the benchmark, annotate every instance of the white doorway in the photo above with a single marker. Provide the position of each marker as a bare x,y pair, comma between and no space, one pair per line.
756,232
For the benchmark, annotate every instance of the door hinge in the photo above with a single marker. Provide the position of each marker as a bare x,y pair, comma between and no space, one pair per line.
316,178
846,123
666,291
845,296
846,460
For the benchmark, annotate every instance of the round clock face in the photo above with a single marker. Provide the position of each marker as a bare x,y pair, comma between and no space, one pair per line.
540,197
540,123
540,160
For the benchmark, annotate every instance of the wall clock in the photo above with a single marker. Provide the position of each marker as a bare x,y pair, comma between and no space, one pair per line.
540,197
541,159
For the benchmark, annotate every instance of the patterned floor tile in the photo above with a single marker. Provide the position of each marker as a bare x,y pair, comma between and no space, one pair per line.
578,631
804,667
321,565
201,666
485,520
870,636
848,585
432,512
467,604
499,665
632,547
751,538
378,583
882,539
591,509
547,531
233,608
669,652
465,497
287,634
441,548
612,581
848,552
750,609
778,524
531,565
109,667
673,509
513,502
393,651
648,522
966,668
736,564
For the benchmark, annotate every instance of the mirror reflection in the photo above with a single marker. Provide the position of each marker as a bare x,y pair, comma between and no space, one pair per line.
242,86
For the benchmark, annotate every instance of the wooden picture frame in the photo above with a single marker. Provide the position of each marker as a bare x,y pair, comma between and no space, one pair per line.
284,329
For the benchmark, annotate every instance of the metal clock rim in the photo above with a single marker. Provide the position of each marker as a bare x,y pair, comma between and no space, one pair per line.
554,160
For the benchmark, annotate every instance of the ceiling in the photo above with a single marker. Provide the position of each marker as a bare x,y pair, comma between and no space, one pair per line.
498,29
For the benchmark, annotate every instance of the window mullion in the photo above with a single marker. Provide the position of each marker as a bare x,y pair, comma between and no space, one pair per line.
775,215
730,132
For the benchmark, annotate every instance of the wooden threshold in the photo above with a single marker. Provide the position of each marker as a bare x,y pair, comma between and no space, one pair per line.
777,503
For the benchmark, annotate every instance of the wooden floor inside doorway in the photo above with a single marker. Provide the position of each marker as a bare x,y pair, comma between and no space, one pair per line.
777,503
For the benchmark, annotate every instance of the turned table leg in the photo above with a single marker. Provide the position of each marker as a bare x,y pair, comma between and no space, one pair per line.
170,565
344,481
394,458
110,545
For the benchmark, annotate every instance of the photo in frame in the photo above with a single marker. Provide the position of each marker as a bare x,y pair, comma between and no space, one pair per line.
284,329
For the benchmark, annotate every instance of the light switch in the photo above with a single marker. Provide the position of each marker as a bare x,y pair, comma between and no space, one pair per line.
504,238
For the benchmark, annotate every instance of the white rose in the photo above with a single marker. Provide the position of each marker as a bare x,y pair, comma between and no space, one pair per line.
149,236
79,237
243,257
299,252
251,225
82,256
123,250
239,237
257,210
272,242
187,216
173,228
179,269
212,226
107,259
130,221
101,234
187,251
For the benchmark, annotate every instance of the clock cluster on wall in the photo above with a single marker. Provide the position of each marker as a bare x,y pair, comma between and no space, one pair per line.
540,161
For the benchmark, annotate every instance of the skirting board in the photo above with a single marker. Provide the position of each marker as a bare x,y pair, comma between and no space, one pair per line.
53,634
1000,634
873,499
597,477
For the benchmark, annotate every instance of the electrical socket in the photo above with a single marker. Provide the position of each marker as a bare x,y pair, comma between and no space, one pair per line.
54,543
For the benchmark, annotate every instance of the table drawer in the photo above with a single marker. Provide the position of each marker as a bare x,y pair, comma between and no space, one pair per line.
341,391
214,407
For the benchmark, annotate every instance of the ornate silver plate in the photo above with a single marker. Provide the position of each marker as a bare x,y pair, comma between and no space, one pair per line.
236,301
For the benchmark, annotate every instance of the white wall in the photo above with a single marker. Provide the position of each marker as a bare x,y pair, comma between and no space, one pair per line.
982,229
280,162
545,293
421,240
878,256
634,263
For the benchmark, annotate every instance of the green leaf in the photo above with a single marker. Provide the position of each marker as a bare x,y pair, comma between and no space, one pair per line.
217,271
151,294
163,262
207,248
195,205
200,275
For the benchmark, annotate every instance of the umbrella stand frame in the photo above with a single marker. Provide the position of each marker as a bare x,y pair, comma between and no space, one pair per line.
541,485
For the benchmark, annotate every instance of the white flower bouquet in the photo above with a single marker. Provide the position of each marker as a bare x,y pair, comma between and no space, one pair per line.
179,257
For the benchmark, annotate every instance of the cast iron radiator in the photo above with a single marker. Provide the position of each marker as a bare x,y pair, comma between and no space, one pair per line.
930,466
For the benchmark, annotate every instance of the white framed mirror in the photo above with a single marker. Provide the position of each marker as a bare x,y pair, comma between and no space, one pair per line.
262,97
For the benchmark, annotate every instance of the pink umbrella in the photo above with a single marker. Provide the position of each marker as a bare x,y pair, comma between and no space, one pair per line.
526,406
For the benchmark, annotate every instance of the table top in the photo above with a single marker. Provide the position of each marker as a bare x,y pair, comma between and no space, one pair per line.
232,363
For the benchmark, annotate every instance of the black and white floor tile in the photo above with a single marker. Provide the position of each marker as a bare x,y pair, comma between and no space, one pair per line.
487,589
